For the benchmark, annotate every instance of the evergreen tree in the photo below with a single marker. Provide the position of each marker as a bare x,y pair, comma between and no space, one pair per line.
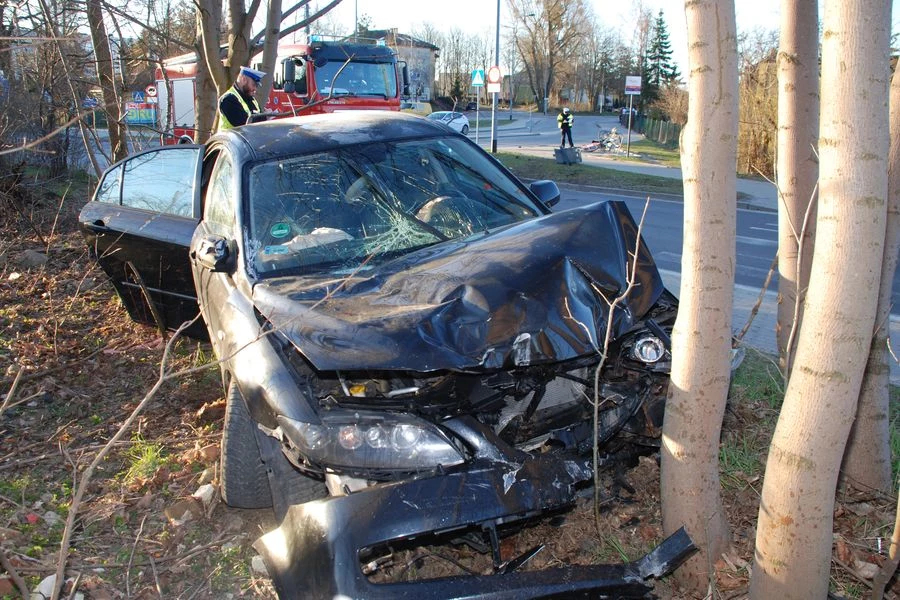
660,68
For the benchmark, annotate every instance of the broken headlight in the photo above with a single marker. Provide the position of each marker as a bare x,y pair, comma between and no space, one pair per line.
372,441
648,349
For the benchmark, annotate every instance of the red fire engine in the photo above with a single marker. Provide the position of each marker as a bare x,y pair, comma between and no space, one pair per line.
310,78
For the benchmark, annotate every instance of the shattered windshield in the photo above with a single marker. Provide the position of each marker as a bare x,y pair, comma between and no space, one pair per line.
357,79
357,206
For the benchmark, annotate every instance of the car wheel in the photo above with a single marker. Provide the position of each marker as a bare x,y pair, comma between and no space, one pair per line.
465,130
243,477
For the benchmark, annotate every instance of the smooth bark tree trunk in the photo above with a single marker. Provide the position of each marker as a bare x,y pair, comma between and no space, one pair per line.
794,529
797,165
701,340
106,80
867,462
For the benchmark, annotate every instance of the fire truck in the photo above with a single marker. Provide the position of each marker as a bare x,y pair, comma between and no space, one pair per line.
316,77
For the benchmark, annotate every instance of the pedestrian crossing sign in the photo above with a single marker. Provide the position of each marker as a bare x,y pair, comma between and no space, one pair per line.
478,78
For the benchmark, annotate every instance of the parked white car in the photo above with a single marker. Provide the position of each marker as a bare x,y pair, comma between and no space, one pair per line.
455,120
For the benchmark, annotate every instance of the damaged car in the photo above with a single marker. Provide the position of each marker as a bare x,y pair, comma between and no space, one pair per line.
414,347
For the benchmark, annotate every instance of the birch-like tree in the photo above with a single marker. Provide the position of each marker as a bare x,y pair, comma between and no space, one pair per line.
794,529
797,164
867,461
701,340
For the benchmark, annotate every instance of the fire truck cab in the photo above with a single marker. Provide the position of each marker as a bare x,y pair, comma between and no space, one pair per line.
317,77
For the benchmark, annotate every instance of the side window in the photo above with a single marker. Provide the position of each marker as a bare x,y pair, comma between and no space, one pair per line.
300,86
161,181
109,188
221,202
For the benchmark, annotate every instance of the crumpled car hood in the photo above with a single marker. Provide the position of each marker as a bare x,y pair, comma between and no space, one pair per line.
536,292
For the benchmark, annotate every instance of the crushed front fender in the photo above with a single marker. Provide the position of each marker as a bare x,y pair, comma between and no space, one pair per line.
315,552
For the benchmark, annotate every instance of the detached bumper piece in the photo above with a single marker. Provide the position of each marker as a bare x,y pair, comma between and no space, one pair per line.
315,553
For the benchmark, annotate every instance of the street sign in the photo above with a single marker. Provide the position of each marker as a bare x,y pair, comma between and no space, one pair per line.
632,85
494,78
478,78
151,91
137,96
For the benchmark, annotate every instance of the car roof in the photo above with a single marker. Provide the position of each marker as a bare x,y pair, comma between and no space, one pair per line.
321,132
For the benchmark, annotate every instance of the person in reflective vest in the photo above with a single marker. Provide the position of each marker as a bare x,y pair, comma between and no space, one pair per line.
564,121
238,104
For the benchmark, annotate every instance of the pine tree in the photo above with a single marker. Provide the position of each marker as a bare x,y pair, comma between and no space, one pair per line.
660,68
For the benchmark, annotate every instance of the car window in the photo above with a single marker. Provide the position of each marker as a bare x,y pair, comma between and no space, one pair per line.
110,188
161,181
219,208
360,205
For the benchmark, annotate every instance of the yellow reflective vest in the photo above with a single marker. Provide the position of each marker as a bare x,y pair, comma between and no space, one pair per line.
224,123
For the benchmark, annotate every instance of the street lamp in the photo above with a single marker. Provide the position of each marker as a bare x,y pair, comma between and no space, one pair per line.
494,105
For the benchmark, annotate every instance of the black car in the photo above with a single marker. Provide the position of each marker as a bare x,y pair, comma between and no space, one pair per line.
409,338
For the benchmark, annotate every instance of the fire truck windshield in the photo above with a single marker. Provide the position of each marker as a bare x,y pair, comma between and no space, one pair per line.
357,79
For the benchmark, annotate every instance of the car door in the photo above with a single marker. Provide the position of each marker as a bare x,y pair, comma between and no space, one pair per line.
139,225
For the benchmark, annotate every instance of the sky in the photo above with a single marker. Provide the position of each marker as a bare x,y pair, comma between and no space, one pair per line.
480,16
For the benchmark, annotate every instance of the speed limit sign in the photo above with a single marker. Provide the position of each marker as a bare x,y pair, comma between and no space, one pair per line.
151,91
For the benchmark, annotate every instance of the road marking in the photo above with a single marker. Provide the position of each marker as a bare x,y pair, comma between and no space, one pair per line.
756,241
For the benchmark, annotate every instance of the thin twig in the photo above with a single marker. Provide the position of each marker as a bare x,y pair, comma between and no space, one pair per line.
131,558
155,575
630,279
798,293
11,392
17,579
759,299
890,565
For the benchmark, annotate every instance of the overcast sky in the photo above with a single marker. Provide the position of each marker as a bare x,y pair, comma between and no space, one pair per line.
480,16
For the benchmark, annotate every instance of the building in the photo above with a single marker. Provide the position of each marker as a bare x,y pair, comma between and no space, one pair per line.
420,58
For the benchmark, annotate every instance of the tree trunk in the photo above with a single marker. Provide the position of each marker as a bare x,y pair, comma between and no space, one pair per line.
797,168
867,462
701,340
270,50
794,530
106,81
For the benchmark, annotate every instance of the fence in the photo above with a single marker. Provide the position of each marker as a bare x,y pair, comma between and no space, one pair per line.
662,132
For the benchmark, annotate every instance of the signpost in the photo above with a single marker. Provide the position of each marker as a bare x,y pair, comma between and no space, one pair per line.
494,77
632,89
477,83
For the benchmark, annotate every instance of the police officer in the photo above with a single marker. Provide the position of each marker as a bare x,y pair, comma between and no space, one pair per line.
564,121
238,104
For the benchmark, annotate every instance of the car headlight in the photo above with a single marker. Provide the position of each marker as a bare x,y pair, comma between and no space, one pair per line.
648,349
376,441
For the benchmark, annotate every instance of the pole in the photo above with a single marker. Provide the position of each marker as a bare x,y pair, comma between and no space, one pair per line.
628,144
477,107
494,105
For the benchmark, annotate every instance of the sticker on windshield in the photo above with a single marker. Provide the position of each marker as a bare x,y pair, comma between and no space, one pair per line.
276,250
280,230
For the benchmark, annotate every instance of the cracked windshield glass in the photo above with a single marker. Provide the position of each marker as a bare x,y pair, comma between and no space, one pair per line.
356,207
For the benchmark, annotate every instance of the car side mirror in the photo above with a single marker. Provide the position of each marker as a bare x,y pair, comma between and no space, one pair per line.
215,253
547,191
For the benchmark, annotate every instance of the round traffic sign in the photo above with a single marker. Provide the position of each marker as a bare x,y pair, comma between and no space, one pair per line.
493,75
151,91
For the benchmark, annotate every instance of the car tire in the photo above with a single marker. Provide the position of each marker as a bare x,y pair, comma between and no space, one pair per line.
243,477
465,130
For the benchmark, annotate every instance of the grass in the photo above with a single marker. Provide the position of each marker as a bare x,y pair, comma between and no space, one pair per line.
654,152
144,460
533,167
758,378
739,462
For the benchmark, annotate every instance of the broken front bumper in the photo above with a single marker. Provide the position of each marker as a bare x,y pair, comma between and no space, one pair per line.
315,552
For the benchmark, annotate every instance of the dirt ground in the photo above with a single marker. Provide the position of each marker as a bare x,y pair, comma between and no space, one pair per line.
73,367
